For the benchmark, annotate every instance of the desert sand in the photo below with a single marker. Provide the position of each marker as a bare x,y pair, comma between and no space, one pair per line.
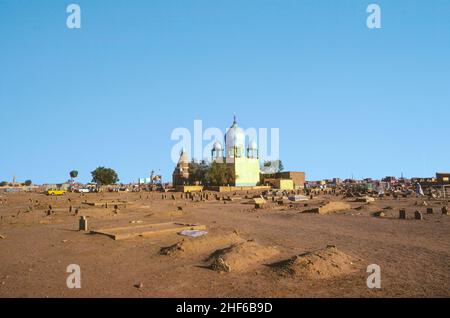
275,251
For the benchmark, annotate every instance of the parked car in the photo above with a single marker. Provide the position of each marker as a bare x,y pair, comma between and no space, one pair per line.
56,192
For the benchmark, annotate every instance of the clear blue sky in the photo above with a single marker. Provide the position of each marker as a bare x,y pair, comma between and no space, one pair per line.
346,99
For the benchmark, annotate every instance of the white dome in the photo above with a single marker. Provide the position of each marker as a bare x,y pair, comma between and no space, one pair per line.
252,145
234,137
217,146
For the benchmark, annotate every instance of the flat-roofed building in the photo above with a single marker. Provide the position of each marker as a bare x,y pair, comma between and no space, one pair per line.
297,177
443,177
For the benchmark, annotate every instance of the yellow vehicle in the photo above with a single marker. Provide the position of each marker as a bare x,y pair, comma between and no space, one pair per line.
56,192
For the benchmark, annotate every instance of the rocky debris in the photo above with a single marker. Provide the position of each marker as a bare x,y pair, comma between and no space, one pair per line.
172,248
2,237
379,214
259,202
139,285
365,199
445,210
220,266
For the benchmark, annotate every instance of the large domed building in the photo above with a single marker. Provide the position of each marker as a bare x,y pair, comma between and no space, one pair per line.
244,162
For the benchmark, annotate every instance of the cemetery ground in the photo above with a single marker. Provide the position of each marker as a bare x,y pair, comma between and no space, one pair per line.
281,249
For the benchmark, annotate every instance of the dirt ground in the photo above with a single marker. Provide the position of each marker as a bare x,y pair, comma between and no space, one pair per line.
36,248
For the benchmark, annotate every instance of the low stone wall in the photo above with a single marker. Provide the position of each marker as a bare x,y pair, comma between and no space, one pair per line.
188,188
231,189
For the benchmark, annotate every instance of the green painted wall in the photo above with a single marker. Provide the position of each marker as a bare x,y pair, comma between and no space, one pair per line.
246,171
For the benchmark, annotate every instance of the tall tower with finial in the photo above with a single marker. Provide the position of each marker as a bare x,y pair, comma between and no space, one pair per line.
180,175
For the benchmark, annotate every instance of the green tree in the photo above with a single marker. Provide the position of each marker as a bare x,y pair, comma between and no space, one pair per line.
198,172
219,174
73,174
3,183
104,176
229,174
27,183
280,166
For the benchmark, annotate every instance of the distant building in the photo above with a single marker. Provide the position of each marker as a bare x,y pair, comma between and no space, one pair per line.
423,180
298,178
180,175
244,164
144,180
241,162
443,178
282,184
389,179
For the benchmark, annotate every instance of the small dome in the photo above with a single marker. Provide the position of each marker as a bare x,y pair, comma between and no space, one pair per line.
217,146
252,145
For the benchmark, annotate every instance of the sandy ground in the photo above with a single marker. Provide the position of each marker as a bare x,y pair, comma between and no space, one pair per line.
414,255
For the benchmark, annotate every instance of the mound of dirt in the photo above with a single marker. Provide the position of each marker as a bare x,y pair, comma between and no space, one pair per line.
331,207
201,244
240,256
324,263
